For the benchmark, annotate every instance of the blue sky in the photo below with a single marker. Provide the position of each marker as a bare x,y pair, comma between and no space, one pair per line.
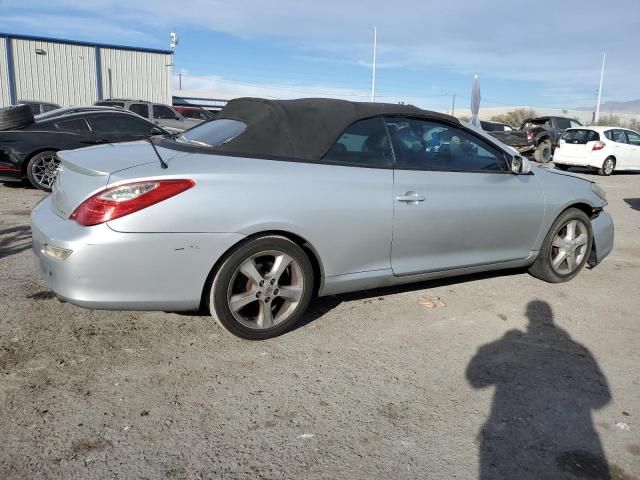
543,53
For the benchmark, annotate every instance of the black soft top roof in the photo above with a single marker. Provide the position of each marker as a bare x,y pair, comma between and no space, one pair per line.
304,128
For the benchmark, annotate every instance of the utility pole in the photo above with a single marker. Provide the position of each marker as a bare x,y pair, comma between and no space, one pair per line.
373,72
604,56
179,80
453,106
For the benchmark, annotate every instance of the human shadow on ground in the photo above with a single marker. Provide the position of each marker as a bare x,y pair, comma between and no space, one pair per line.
546,386
633,203
14,240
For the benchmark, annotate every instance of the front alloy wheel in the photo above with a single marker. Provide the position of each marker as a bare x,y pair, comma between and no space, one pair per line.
263,288
565,249
569,247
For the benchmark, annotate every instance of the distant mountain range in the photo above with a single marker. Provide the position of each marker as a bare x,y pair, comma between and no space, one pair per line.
632,106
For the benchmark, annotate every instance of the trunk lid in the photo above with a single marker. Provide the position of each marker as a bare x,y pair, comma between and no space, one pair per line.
85,171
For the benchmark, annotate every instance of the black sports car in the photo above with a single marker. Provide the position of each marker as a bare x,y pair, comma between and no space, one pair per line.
29,152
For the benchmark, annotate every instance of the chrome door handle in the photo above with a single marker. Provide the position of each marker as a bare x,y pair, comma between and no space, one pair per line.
410,197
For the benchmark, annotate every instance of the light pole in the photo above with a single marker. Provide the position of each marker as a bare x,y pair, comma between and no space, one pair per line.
373,70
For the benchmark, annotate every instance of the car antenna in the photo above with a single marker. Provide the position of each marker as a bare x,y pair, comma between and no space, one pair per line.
163,164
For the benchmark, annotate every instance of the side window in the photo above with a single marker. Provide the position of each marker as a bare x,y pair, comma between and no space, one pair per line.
162,112
426,145
634,138
562,123
75,125
575,123
616,135
120,124
141,109
362,144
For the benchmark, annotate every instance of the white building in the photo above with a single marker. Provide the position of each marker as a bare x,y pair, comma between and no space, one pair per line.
72,73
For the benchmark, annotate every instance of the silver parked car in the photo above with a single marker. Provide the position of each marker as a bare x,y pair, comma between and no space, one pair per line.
275,201
157,113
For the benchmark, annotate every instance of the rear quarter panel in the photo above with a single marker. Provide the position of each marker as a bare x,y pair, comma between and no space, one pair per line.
345,213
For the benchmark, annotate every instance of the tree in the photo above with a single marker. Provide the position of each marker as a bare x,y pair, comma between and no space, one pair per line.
609,121
515,117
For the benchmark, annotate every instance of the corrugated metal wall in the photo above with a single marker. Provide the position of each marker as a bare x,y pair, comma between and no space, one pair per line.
136,75
64,74
4,76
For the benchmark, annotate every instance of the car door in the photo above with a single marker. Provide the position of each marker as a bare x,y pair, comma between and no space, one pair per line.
633,146
117,127
167,117
141,109
619,147
456,203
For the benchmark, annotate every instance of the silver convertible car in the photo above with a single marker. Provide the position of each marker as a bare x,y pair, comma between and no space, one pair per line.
252,214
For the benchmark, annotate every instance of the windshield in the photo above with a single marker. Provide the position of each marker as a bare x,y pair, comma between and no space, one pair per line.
213,133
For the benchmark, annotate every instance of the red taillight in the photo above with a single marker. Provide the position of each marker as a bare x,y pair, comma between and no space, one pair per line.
598,146
531,135
558,145
116,202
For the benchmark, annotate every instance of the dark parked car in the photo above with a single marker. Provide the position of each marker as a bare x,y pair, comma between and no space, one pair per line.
29,151
38,107
537,136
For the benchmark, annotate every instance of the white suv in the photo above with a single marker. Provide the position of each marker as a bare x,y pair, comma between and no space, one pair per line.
158,113
604,148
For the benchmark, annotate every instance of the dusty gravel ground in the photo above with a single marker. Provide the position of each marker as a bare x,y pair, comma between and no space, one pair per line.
507,377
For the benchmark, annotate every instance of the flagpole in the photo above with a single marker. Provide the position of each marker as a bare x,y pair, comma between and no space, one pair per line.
604,56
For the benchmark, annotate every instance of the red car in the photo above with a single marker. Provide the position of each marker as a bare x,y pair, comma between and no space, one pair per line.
197,113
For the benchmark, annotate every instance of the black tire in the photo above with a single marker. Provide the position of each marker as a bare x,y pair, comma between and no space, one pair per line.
15,117
543,152
542,267
608,166
225,278
564,168
33,167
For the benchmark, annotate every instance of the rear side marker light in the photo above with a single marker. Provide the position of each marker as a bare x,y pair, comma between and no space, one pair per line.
116,202
56,253
598,146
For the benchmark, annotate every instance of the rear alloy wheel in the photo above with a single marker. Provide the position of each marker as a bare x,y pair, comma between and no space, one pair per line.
607,167
543,152
42,170
262,289
565,249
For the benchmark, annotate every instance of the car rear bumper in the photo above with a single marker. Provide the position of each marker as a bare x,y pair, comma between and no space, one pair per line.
603,233
125,271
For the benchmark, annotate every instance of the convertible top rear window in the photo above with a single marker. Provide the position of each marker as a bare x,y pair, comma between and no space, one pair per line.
213,133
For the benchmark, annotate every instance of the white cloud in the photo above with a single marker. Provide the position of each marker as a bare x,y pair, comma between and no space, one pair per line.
556,45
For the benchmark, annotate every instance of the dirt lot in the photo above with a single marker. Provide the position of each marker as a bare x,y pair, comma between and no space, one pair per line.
502,377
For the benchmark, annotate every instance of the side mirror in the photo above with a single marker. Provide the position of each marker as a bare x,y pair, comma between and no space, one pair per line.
520,165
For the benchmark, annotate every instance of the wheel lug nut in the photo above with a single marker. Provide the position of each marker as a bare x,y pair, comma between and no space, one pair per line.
262,283
266,300
258,294
273,280
275,292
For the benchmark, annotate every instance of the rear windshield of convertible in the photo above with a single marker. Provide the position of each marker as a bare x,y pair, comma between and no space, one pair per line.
213,133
